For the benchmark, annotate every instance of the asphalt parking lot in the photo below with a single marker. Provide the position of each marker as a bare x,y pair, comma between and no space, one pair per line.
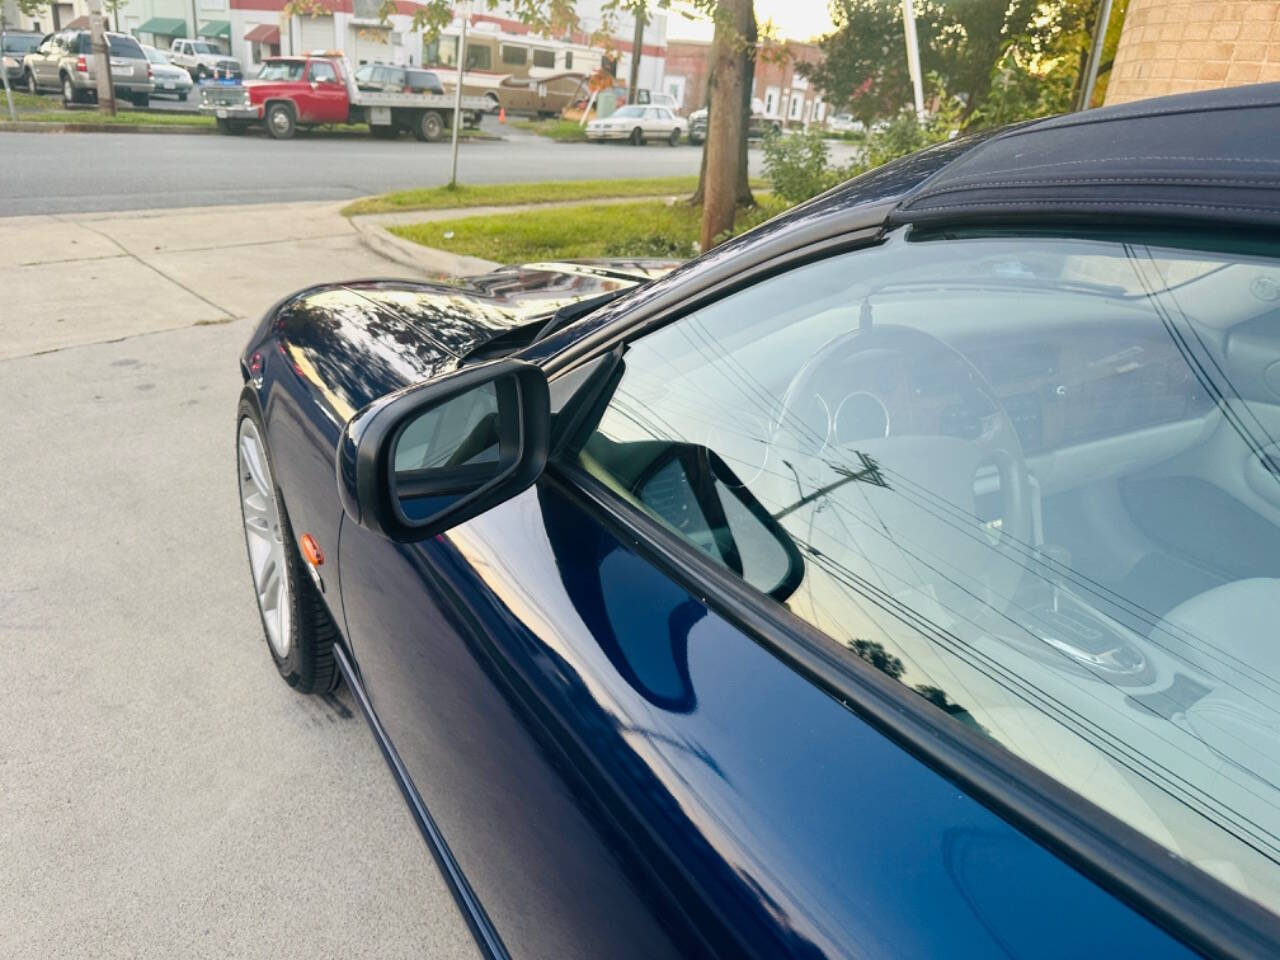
163,793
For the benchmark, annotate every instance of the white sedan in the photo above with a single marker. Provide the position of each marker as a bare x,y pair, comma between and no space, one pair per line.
637,124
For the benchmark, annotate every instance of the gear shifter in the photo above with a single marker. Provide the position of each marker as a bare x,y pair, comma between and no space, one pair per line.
1056,561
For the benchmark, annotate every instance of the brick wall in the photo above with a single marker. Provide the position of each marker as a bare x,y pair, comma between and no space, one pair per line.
1174,46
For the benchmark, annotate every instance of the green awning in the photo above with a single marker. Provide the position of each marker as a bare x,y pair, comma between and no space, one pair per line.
216,28
164,27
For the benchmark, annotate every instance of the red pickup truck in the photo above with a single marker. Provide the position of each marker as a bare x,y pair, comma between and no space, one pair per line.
319,88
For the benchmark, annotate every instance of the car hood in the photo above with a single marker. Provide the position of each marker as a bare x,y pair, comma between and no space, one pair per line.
355,342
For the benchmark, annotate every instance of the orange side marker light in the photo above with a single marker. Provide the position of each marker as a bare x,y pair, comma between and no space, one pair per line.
311,551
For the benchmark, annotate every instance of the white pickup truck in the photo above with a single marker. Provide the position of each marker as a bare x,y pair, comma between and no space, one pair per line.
320,88
203,60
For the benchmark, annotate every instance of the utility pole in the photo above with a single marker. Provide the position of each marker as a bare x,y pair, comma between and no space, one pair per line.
637,44
101,59
4,74
1095,54
465,9
913,56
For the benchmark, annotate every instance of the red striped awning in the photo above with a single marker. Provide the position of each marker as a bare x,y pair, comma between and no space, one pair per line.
264,33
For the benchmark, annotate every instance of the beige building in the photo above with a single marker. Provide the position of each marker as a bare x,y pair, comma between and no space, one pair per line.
1173,46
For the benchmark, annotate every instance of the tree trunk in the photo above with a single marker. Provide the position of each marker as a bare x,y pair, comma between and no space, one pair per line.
637,44
725,128
744,196
701,193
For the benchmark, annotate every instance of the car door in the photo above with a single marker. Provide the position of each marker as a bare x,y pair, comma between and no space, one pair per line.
593,686
48,64
322,97
34,61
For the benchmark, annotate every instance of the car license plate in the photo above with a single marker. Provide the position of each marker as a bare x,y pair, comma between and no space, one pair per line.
222,113
380,116
168,86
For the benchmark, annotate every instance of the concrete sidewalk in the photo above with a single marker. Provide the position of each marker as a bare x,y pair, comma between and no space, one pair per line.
88,278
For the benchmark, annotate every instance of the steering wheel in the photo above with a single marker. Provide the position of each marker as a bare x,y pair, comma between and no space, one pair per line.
915,424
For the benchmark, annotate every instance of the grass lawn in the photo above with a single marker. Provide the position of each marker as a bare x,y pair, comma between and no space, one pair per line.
37,109
650,228
122,117
565,131
512,194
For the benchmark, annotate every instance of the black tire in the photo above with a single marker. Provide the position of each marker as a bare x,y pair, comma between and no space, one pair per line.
69,94
309,666
494,104
428,127
33,88
200,75
674,139
280,121
637,137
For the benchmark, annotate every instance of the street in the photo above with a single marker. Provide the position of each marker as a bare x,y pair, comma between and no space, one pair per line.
79,172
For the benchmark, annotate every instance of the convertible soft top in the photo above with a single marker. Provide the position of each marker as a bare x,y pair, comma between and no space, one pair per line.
1204,156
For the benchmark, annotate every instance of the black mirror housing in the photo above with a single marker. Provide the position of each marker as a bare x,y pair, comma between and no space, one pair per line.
426,458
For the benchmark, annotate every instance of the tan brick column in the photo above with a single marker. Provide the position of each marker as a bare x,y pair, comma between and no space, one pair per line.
1173,46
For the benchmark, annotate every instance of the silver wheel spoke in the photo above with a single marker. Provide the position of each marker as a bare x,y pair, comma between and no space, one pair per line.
264,538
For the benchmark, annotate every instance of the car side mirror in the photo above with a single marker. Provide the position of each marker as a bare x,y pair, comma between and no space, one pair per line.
429,457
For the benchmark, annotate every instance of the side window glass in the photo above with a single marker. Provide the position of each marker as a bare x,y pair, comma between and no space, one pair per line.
479,58
322,72
1031,479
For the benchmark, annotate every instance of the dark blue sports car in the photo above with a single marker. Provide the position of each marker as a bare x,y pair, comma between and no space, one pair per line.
900,579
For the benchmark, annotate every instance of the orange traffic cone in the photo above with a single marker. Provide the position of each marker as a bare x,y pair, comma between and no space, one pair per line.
502,114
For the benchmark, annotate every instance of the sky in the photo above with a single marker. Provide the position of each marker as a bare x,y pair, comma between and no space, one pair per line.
795,20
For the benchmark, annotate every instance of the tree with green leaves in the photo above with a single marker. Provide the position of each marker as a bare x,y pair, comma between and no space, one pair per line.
1001,61
733,48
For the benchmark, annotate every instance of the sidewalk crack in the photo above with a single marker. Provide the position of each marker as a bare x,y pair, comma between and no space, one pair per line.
150,266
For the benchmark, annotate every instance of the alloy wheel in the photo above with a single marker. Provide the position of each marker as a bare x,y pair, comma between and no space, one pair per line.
264,535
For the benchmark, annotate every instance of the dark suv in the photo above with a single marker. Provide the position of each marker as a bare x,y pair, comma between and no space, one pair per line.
17,44
383,78
64,61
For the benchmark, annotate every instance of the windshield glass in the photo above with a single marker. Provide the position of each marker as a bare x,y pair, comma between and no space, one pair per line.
20,44
155,56
202,47
1036,481
281,70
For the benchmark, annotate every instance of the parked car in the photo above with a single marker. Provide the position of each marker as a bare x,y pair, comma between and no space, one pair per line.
758,128
64,61
844,123
167,79
17,44
638,125
382,77
899,579
203,61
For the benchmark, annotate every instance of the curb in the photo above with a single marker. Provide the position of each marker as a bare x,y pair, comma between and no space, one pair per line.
31,126
427,259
